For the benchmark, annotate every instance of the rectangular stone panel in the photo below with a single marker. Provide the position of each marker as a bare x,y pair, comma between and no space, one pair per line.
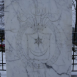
38,37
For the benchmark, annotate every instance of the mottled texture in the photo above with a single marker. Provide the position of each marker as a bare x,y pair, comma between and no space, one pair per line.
38,38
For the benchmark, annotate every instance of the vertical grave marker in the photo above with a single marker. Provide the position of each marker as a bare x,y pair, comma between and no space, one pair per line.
38,38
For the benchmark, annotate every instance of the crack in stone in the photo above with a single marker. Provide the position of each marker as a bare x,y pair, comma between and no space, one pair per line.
50,67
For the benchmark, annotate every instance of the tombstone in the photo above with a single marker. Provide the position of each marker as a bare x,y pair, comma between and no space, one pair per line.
38,38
